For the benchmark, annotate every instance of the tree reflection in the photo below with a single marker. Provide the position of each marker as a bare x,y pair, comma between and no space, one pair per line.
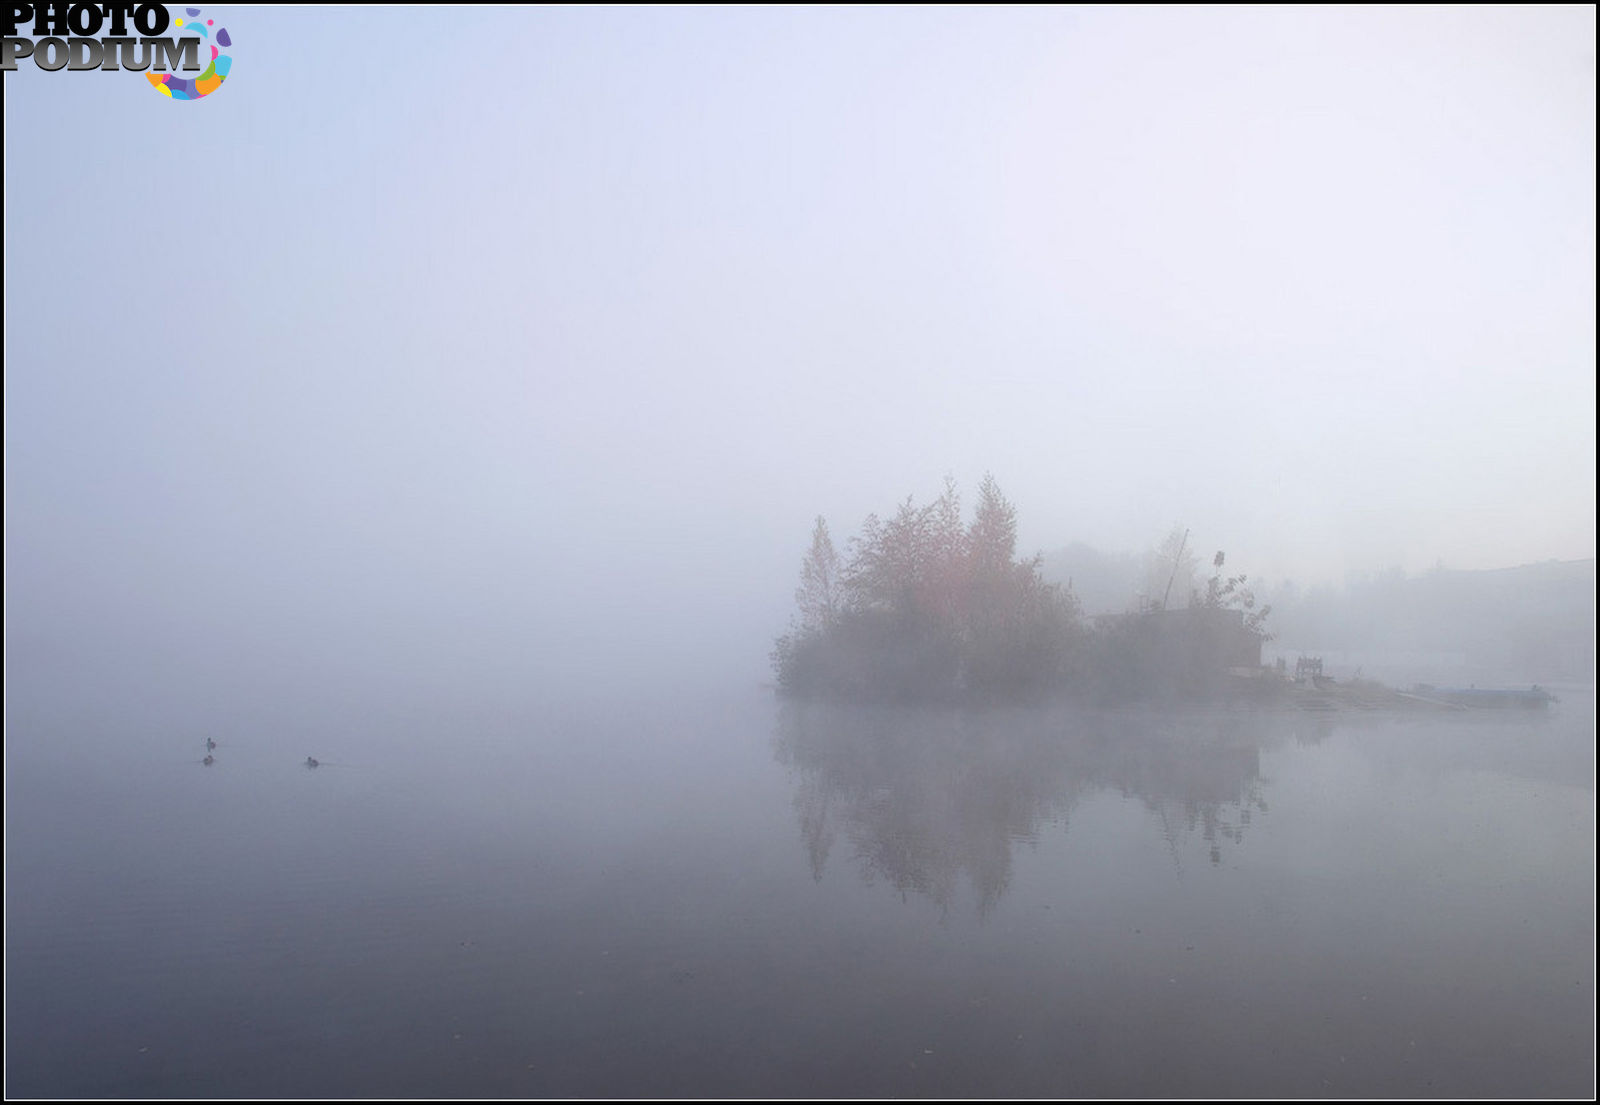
929,797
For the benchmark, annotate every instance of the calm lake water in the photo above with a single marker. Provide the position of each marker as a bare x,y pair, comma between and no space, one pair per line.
735,897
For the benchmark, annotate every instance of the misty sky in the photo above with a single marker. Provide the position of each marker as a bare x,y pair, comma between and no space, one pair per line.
574,318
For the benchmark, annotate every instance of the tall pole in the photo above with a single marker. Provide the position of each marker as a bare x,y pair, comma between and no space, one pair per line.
1175,562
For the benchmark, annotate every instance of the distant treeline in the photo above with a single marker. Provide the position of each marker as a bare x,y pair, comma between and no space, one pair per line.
927,607
1534,622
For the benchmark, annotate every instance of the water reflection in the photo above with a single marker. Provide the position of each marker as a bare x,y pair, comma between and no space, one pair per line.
925,798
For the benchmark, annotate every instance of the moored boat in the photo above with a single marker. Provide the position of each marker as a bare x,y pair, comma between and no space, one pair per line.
1492,698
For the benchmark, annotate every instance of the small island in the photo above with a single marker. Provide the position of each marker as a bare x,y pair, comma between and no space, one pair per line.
928,607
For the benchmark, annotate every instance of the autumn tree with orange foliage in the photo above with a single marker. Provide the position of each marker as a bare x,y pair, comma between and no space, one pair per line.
930,609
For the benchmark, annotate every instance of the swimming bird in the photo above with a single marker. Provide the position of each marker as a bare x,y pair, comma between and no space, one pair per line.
311,762
209,760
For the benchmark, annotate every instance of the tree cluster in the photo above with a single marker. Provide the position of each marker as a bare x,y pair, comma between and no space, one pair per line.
929,608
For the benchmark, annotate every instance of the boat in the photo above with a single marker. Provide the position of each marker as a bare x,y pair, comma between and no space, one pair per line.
1490,698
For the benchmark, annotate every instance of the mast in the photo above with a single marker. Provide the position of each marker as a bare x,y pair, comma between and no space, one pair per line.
1175,562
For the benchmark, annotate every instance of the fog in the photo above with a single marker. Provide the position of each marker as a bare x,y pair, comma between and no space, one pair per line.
468,383
545,380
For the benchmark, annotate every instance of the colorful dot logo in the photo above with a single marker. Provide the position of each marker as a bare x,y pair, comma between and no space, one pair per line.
178,88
